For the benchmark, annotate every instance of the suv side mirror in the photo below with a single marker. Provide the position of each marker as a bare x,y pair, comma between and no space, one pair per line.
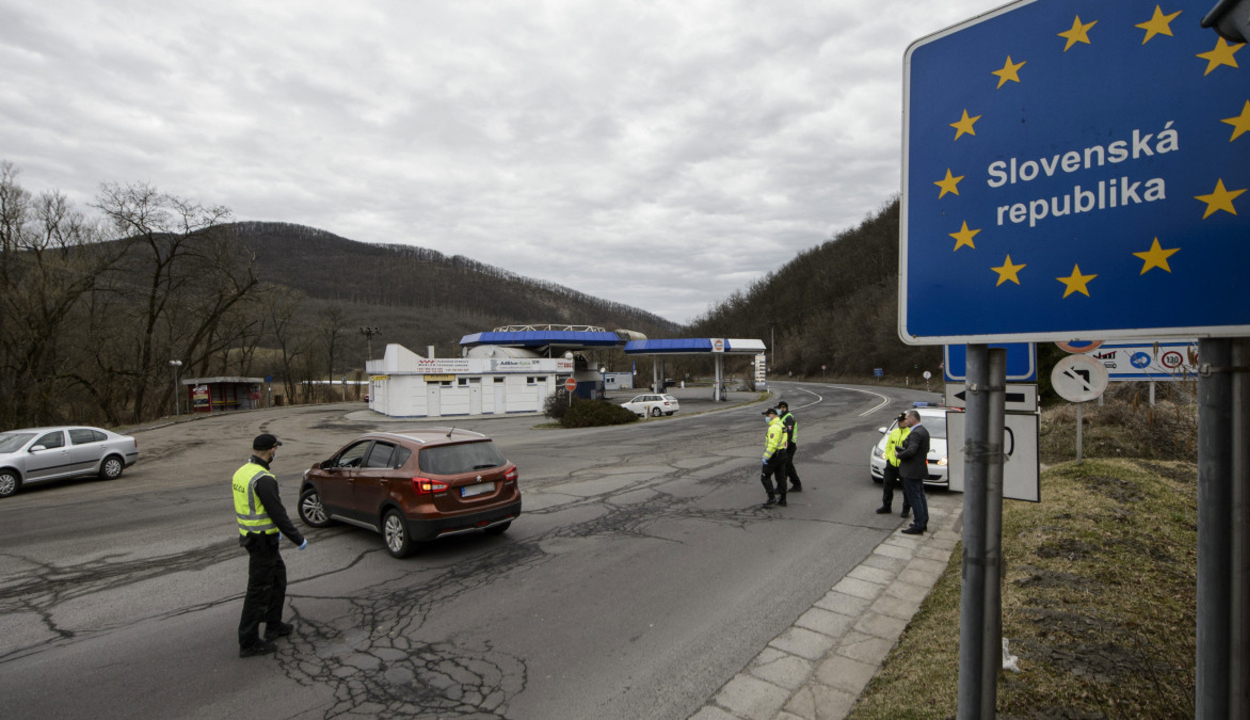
37,448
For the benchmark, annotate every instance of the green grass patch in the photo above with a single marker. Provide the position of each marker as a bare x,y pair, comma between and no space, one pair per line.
1099,602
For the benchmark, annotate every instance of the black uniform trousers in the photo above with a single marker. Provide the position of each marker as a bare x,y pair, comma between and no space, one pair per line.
266,587
775,467
790,472
889,477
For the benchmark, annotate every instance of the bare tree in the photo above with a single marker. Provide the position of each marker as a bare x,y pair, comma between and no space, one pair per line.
190,274
50,259
281,310
329,327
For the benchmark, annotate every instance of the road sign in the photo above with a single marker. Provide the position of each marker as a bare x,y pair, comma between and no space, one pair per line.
927,374
1021,362
1075,169
878,372
1021,472
570,384
1079,346
1164,361
1079,378
1020,397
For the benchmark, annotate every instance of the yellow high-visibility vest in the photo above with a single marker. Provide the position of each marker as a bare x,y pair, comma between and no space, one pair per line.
253,518
776,439
893,442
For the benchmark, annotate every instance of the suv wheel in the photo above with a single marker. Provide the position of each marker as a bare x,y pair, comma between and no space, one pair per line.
655,412
398,544
311,511
9,483
111,468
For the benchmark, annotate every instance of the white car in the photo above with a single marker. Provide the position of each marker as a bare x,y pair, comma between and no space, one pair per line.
52,453
653,405
934,420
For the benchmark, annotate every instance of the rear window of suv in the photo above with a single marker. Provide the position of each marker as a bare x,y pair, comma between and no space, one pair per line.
460,458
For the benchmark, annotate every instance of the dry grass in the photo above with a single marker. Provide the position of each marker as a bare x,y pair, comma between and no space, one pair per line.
1124,425
1098,603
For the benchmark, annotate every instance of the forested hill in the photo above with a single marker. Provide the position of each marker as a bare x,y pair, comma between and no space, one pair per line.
412,287
835,305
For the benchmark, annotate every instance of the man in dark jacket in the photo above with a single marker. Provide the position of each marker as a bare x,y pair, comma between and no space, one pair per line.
792,445
262,521
912,470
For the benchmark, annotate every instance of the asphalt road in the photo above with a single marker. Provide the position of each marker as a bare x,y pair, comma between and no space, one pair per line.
642,574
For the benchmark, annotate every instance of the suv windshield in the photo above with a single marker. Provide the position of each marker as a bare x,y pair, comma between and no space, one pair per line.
460,458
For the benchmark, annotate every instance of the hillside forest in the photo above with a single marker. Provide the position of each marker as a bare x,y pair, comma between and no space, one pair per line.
831,311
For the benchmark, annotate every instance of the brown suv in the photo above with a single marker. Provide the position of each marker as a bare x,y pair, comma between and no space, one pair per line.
413,486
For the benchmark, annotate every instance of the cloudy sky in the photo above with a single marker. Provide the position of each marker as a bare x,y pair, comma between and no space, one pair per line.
658,154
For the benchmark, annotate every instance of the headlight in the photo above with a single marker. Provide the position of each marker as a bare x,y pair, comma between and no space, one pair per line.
942,461
877,451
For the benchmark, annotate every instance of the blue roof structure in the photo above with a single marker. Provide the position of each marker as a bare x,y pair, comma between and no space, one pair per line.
692,346
543,338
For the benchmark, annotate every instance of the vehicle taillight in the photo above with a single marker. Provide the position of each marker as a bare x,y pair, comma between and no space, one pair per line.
426,486
511,475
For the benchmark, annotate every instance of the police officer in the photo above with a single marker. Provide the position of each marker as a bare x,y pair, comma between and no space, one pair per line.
774,459
260,516
890,473
792,445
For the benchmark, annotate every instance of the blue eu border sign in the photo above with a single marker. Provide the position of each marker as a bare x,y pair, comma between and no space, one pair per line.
1075,168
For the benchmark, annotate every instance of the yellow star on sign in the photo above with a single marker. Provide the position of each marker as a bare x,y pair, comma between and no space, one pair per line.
1076,282
964,237
1158,25
948,184
1221,55
1241,123
1156,257
1010,71
964,126
1007,271
1078,33
1220,198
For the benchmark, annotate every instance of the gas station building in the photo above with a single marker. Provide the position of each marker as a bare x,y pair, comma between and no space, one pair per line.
516,368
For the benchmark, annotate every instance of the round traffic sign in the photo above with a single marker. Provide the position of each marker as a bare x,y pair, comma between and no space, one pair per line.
570,384
1079,378
1079,346
927,374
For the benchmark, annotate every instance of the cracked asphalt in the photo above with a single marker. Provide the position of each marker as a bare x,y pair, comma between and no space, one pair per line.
642,574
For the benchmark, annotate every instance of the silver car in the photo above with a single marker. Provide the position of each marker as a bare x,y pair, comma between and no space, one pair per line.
54,453
934,419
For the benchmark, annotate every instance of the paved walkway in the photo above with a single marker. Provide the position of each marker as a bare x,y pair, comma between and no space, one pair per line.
818,668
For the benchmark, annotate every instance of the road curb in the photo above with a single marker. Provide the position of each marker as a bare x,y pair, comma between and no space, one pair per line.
820,665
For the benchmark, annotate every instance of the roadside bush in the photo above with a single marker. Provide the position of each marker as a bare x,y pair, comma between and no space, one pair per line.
593,413
555,406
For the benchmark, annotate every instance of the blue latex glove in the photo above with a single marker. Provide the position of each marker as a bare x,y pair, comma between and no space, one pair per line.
765,460
303,544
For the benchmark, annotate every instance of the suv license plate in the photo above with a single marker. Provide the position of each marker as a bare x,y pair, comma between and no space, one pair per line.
479,489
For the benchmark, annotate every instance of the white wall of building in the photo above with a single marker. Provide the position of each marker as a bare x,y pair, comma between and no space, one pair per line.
404,384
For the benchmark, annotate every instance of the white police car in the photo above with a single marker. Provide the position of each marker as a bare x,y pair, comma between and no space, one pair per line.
934,420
